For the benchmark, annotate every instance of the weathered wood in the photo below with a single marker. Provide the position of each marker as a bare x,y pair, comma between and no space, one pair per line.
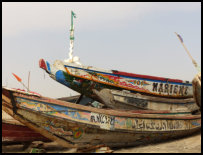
79,126
197,89
15,132
134,113
9,120
125,100
38,129
145,92
85,78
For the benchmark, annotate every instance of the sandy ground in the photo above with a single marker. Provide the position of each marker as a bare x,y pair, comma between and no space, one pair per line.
190,144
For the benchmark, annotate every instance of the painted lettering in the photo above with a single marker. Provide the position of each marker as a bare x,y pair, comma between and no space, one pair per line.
175,89
156,125
186,88
160,90
166,88
181,90
155,85
102,119
171,88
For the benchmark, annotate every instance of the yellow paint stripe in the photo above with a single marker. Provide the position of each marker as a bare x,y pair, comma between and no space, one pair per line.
176,96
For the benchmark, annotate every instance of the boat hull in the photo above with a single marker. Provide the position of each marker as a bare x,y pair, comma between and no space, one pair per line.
125,100
197,89
12,133
74,125
83,79
15,132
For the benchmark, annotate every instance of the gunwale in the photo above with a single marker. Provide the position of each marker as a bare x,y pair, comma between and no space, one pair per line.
33,118
134,113
129,88
132,75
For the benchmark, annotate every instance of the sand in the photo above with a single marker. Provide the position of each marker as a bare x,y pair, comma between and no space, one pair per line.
190,144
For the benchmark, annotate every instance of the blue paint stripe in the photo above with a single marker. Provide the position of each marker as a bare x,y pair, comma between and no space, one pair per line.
48,66
69,111
187,84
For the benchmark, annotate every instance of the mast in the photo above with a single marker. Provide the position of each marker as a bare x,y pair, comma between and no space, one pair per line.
73,15
193,60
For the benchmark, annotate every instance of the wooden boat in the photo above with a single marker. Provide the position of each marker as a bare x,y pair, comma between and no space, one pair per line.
14,132
74,125
116,99
83,100
91,82
197,89
78,99
85,78
158,93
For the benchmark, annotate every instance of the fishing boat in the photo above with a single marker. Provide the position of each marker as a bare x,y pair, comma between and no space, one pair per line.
91,81
84,79
143,93
77,126
196,82
197,89
116,99
14,132
83,100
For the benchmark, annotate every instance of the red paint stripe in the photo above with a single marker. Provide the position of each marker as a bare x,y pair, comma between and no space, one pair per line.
7,126
42,64
19,133
146,77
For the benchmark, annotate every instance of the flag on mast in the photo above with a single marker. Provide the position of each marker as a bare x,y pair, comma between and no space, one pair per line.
18,78
193,61
181,39
73,14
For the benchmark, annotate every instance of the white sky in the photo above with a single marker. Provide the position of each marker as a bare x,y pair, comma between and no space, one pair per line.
135,37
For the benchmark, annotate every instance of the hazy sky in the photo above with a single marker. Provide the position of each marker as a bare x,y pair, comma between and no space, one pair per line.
136,37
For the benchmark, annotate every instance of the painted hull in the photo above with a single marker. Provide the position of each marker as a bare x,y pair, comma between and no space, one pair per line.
84,78
197,89
125,100
15,132
73,125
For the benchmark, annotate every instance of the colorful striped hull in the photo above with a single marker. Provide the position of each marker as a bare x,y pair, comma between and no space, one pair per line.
83,79
73,125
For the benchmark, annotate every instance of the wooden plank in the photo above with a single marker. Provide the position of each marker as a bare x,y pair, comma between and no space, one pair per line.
40,130
83,128
134,113
197,89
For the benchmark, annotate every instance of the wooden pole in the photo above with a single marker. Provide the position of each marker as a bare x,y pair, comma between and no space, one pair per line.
193,61
29,80
20,80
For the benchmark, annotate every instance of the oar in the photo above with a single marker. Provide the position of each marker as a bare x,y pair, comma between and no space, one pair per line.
20,80
193,61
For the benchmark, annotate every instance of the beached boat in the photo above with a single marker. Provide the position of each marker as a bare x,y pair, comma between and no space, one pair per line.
14,132
197,89
93,82
83,100
116,99
85,78
74,125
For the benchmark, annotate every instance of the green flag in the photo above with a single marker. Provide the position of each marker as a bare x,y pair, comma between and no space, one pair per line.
73,14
